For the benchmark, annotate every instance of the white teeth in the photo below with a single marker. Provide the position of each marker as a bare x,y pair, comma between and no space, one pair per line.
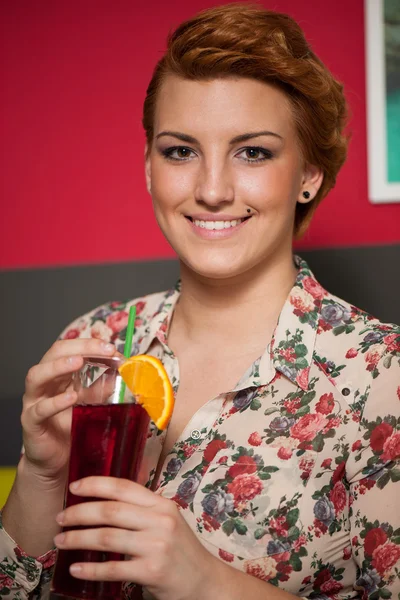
217,224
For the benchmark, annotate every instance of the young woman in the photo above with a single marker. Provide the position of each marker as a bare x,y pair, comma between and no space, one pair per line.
278,475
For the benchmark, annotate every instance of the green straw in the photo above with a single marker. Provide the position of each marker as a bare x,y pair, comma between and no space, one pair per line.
130,330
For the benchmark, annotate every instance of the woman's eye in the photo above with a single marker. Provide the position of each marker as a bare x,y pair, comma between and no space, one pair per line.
178,153
255,154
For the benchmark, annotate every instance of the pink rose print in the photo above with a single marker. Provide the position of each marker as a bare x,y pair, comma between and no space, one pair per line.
281,558
398,392
139,307
212,448
210,524
374,538
71,334
346,553
338,497
117,321
331,585
391,447
306,466
313,288
302,301
374,354
245,487
385,557
6,581
338,472
263,568
302,377
255,439
100,331
325,404
285,453
288,354
227,556
308,426
188,450
352,353
280,527
292,406
332,424
284,569
326,463
379,436
49,560
322,577
244,464
301,541
392,342
356,446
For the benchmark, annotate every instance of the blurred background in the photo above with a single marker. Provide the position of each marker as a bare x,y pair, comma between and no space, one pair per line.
77,227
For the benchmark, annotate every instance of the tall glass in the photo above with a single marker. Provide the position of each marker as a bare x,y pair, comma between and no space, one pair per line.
107,438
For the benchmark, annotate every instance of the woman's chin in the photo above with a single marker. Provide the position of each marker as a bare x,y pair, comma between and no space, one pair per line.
214,270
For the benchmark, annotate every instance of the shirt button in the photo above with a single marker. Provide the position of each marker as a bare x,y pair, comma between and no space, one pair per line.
30,577
195,435
346,391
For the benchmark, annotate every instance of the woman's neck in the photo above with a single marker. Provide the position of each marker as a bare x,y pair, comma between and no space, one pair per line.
245,308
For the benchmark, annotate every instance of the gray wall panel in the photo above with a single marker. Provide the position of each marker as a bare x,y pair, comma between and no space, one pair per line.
35,305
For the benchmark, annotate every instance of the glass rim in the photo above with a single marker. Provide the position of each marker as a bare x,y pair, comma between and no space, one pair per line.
113,362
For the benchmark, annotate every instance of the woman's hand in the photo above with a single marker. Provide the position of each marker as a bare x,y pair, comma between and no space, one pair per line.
165,555
47,406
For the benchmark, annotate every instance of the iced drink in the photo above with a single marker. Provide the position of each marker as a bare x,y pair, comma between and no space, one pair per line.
106,439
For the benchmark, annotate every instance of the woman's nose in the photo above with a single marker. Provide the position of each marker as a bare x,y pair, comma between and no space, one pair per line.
214,185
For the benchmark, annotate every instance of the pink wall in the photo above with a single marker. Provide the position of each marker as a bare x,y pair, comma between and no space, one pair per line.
75,76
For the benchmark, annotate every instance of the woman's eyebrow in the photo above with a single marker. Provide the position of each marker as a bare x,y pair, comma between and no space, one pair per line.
244,137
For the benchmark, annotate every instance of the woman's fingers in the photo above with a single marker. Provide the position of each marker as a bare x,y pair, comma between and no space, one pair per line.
111,513
113,488
129,570
105,539
79,347
39,412
47,374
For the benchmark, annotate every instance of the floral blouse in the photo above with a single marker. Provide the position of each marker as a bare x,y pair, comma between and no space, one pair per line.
292,476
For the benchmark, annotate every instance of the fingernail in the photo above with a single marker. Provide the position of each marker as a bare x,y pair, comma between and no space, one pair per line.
60,518
108,347
75,569
72,360
59,539
68,396
74,486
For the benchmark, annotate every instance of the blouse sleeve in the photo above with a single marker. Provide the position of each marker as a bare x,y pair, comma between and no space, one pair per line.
23,577
374,477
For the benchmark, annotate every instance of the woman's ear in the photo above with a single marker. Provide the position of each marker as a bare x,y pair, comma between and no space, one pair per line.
147,167
311,182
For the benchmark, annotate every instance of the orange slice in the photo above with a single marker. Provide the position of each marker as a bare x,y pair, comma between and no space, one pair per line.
147,379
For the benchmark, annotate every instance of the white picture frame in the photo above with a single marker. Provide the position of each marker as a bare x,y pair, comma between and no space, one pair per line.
380,189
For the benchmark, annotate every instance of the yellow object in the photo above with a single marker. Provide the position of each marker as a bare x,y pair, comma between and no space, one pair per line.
147,379
7,476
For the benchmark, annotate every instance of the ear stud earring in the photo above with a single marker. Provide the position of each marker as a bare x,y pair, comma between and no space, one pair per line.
306,195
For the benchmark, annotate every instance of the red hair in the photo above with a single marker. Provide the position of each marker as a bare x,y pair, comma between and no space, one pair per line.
242,40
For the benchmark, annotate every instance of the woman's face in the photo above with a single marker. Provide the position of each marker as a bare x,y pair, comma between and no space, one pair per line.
222,147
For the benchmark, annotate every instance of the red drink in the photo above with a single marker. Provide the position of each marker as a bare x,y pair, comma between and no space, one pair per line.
106,439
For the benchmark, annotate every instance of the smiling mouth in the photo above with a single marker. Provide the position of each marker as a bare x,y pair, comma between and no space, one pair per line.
217,225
